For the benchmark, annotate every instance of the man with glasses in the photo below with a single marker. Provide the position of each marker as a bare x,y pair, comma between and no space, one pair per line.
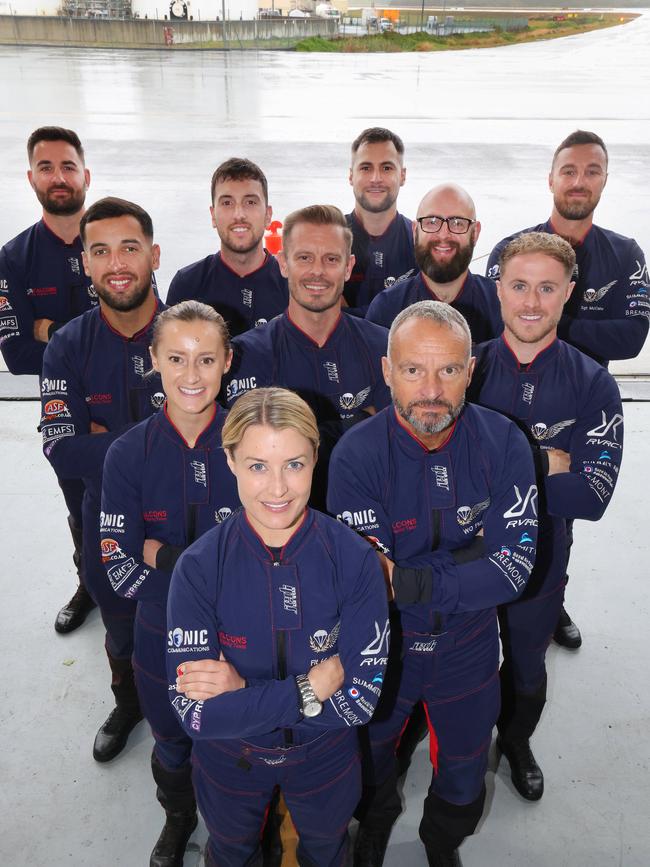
445,233
606,316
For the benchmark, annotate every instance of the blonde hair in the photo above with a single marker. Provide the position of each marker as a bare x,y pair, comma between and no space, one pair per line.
318,215
190,311
552,246
276,407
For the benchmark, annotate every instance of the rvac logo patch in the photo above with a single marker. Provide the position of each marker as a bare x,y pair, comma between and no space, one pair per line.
607,427
521,505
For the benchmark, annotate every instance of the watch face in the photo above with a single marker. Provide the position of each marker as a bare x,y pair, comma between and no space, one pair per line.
312,708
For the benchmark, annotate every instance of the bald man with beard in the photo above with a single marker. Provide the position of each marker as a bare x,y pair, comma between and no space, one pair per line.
445,233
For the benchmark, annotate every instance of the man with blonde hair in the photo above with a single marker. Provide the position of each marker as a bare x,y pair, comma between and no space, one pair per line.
569,408
330,358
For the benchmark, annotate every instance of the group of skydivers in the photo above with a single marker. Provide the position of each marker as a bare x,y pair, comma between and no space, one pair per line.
271,646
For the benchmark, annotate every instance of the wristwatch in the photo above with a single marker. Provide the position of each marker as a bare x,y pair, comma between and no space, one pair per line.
309,703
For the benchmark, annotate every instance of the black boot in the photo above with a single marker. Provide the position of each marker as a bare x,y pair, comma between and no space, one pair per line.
443,859
176,795
72,615
566,632
370,846
518,720
170,847
526,774
444,826
113,735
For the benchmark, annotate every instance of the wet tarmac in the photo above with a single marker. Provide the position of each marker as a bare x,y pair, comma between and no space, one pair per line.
155,124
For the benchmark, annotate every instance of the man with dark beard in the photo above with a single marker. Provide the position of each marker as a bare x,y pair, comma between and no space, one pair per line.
332,360
242,281
606,316
42,286
95,384
382,242
445,233
442,490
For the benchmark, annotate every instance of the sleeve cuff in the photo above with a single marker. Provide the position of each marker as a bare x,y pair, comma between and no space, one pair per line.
412,586
54,326
167,556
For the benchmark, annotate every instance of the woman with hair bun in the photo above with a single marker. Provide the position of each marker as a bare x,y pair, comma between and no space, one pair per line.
165,483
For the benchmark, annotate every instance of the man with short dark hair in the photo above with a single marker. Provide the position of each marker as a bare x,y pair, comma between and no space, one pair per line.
42,286
332,360
242,281
382,238
606,316
445,233
441,489
569,408
95,384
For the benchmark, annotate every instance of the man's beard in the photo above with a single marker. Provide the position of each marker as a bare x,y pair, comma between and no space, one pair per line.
443,272
575,210
61,207
441,422
124,303
377,207
241,250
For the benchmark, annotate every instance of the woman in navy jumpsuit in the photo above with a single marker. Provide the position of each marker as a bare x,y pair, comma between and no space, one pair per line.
261,609
165,483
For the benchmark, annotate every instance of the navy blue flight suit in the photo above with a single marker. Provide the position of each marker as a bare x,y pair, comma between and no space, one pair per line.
42,277
244,302
380,261
274,614
606,316
91,373
477,301
424,509
338,380
564,400
155,486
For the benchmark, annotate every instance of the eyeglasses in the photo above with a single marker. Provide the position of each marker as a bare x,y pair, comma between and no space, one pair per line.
456,225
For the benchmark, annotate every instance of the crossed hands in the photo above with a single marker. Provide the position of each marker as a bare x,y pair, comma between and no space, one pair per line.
208,678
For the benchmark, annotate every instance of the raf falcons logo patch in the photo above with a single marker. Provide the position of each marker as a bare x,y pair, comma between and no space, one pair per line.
467,514
542,432
353,401
592,295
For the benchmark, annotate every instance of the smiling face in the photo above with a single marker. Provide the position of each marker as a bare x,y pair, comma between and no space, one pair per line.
316,262
274,469
191,360
119,259
240,214
428,373
577,180
443,256
532,290
58,177
376,174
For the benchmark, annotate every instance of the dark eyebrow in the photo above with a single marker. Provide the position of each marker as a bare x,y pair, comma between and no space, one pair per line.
123,241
